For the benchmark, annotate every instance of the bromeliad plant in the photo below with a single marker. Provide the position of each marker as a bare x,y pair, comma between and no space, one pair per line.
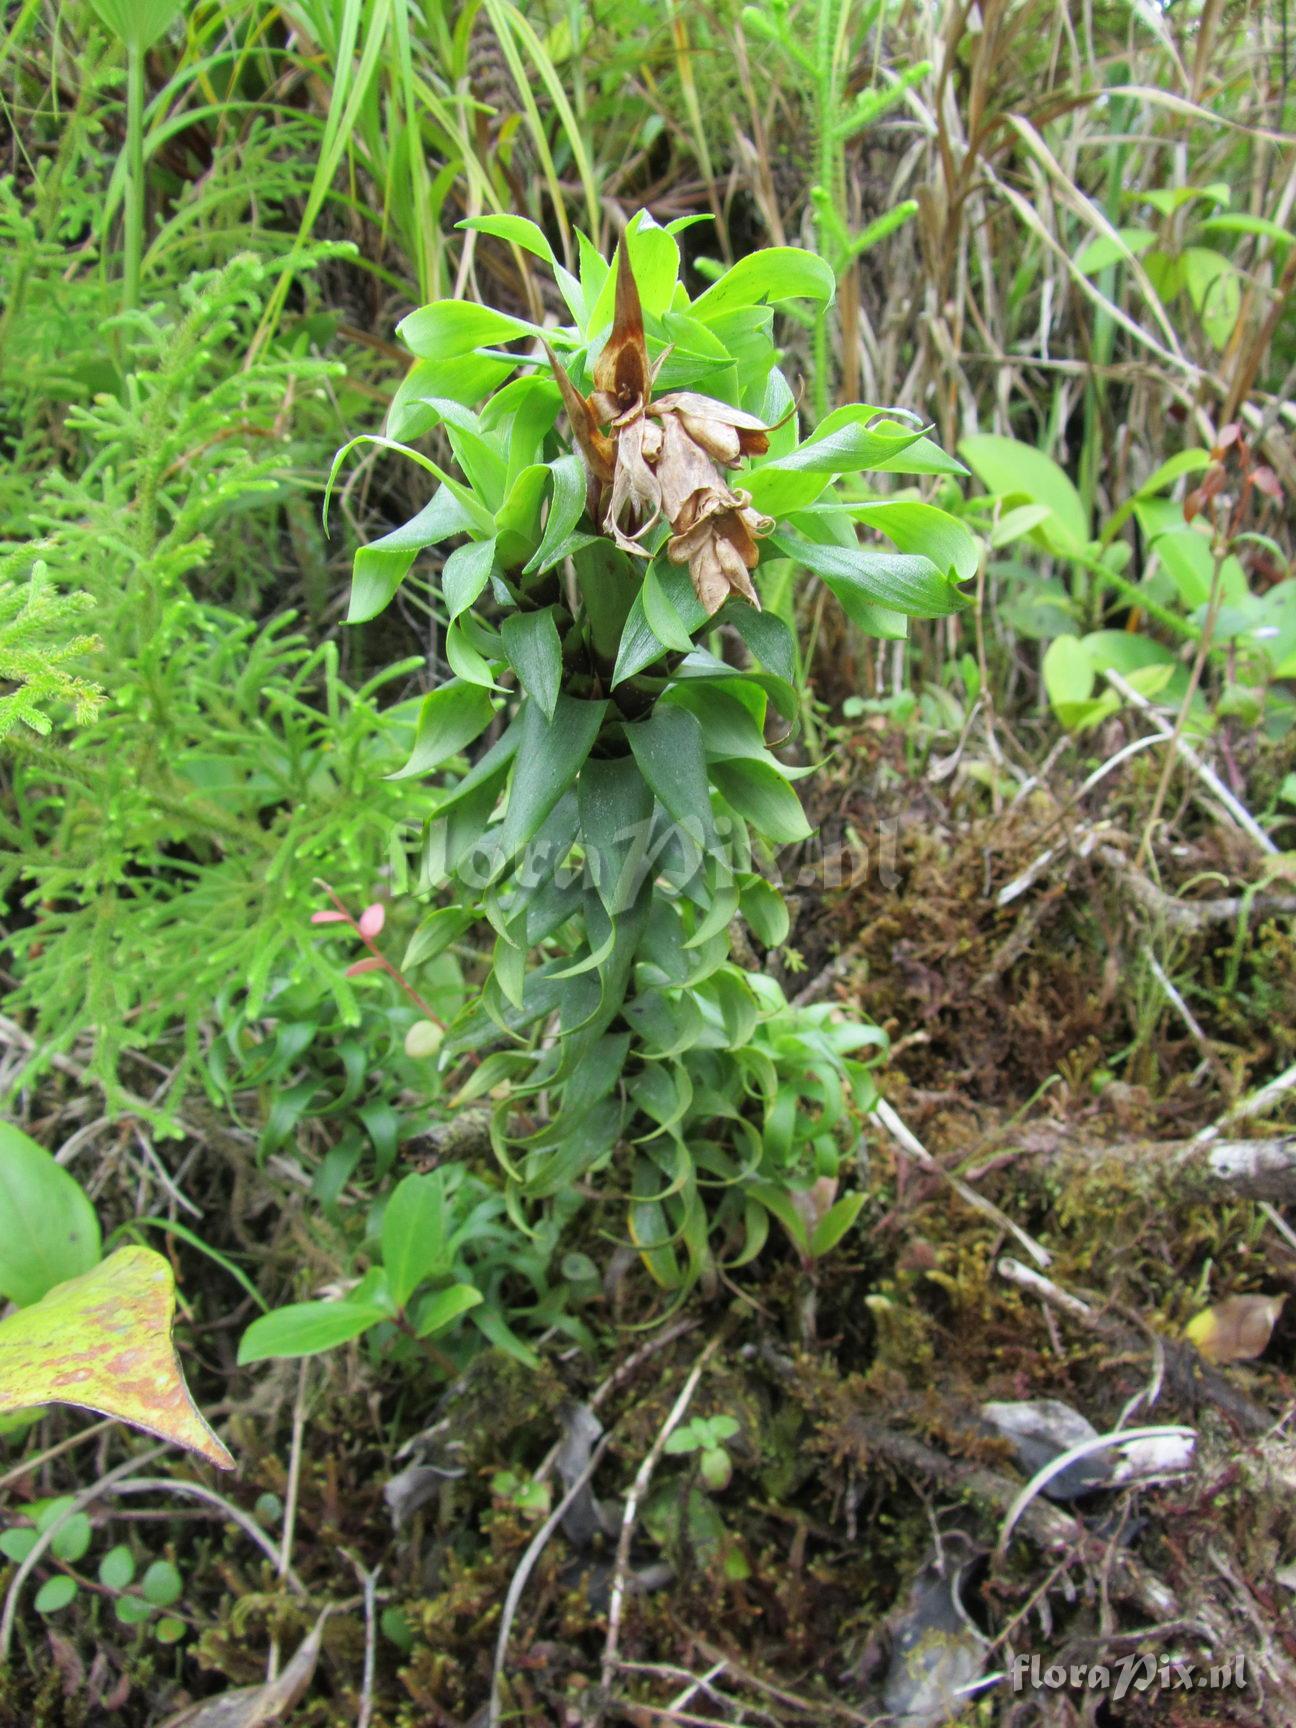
618,617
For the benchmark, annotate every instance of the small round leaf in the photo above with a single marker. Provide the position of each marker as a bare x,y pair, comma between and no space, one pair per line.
55,1593
117,1568
162,1584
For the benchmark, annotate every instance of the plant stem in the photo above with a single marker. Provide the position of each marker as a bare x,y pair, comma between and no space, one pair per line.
133,239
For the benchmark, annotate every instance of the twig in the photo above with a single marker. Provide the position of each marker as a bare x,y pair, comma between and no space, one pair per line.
1082,1449
910,1142
26,1465
638,1488
1206,774
37,1550
1258,1104
523,1572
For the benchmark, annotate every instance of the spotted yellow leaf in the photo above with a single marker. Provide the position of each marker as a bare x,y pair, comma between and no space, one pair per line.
103,1342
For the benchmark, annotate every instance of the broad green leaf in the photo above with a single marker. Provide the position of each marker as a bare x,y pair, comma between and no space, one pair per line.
443,1307
1068,678
896,580
767,636
535,654
843,443
462,378
307,1329
668,747
654,262
380,568
1103,250
1237,222
450,718
566,507
102,1341
663,620
765,910
616,809
776,273
1018,472
465,656
1215,289
48,1228
413,1234
640,644
518,230
449,327
550,755
465,573
138,24
759,793
924,531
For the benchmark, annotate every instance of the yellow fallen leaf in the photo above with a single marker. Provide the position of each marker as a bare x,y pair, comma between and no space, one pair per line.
1236,1329
103,1342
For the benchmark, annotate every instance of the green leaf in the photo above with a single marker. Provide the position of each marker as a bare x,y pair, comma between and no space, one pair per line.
54,1594
663,620
17,1543
307,1329
169,1630
1215,289
162,1584
535,654
759,793
926,532
767,636
449,327
72,1539
138,24
1103,250
1068,678
48,1228
776,273
379,568
639,646
1018,472
131,1610
834,1224
668,747
550,754
117,1568
566,507
906,584
413,1234
465,573
843,443
450,718
518,230
765,910
616,809
462,378
102,1341
440,1310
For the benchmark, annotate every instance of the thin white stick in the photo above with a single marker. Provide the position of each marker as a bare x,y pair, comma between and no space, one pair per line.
524,1568
1083,1449
1204,772
638,1488
905,1137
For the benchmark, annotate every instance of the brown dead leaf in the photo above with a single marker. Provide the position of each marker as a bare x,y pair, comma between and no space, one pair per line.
259,1706
1235,1330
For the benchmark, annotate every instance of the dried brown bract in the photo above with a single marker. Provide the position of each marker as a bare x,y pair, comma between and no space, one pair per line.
660,458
